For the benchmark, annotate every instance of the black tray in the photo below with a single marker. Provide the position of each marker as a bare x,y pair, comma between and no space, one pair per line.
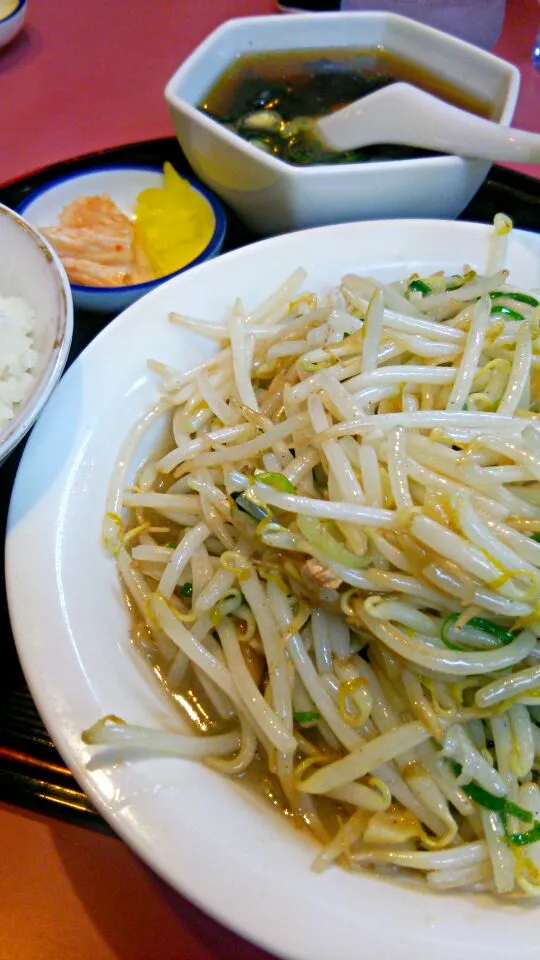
32,774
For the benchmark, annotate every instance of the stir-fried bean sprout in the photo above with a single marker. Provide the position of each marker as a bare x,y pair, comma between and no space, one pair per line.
336,555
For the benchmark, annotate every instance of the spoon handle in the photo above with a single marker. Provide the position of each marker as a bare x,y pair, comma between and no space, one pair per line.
403,114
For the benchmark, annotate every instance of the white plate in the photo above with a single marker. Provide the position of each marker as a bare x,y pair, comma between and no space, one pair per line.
210,839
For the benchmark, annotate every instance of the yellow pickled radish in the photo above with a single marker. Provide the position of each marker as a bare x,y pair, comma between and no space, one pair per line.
173,223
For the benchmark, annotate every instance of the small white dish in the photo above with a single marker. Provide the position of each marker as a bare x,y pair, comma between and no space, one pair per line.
30,269
43,206
272,196
211,838
12,23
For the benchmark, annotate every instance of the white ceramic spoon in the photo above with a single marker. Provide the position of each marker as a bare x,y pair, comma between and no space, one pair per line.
402,113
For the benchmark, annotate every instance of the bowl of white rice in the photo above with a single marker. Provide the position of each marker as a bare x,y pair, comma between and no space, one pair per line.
36,326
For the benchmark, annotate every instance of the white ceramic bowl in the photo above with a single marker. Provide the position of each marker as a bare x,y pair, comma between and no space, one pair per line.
271,196
30,269
11,25
42,208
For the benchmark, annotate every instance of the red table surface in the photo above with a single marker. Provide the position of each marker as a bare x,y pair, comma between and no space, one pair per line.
71,893
83,76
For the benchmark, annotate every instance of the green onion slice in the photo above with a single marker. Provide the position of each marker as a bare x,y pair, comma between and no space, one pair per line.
522,839
505,807
485,799
455,281
506,312
253,509
276,480
306,716
514,295
186,589
477,624
318,533
480,796
512,809
458,280
419,286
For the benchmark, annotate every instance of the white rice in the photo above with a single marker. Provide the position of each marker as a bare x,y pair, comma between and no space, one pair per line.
18,358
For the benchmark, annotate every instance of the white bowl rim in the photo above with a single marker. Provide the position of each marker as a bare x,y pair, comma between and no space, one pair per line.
217,238
376,166
53,369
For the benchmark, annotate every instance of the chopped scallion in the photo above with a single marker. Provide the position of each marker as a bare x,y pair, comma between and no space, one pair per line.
276,480
514,295
455,281
506,312
306,716
522,839
513,810
419,286
319,535
480,796
477,623
505,807
254,510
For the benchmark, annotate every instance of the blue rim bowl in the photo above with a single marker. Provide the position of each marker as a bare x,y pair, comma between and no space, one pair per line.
18,8
136,290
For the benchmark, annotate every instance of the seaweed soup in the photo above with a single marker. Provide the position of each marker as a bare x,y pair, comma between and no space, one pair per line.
270,98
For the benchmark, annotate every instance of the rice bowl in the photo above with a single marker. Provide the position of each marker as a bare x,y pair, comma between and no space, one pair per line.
36,326
18,357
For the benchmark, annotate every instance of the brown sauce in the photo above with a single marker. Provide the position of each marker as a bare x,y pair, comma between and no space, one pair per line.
260,96
194,707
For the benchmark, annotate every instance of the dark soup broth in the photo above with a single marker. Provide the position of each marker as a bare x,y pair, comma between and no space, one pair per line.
269,98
